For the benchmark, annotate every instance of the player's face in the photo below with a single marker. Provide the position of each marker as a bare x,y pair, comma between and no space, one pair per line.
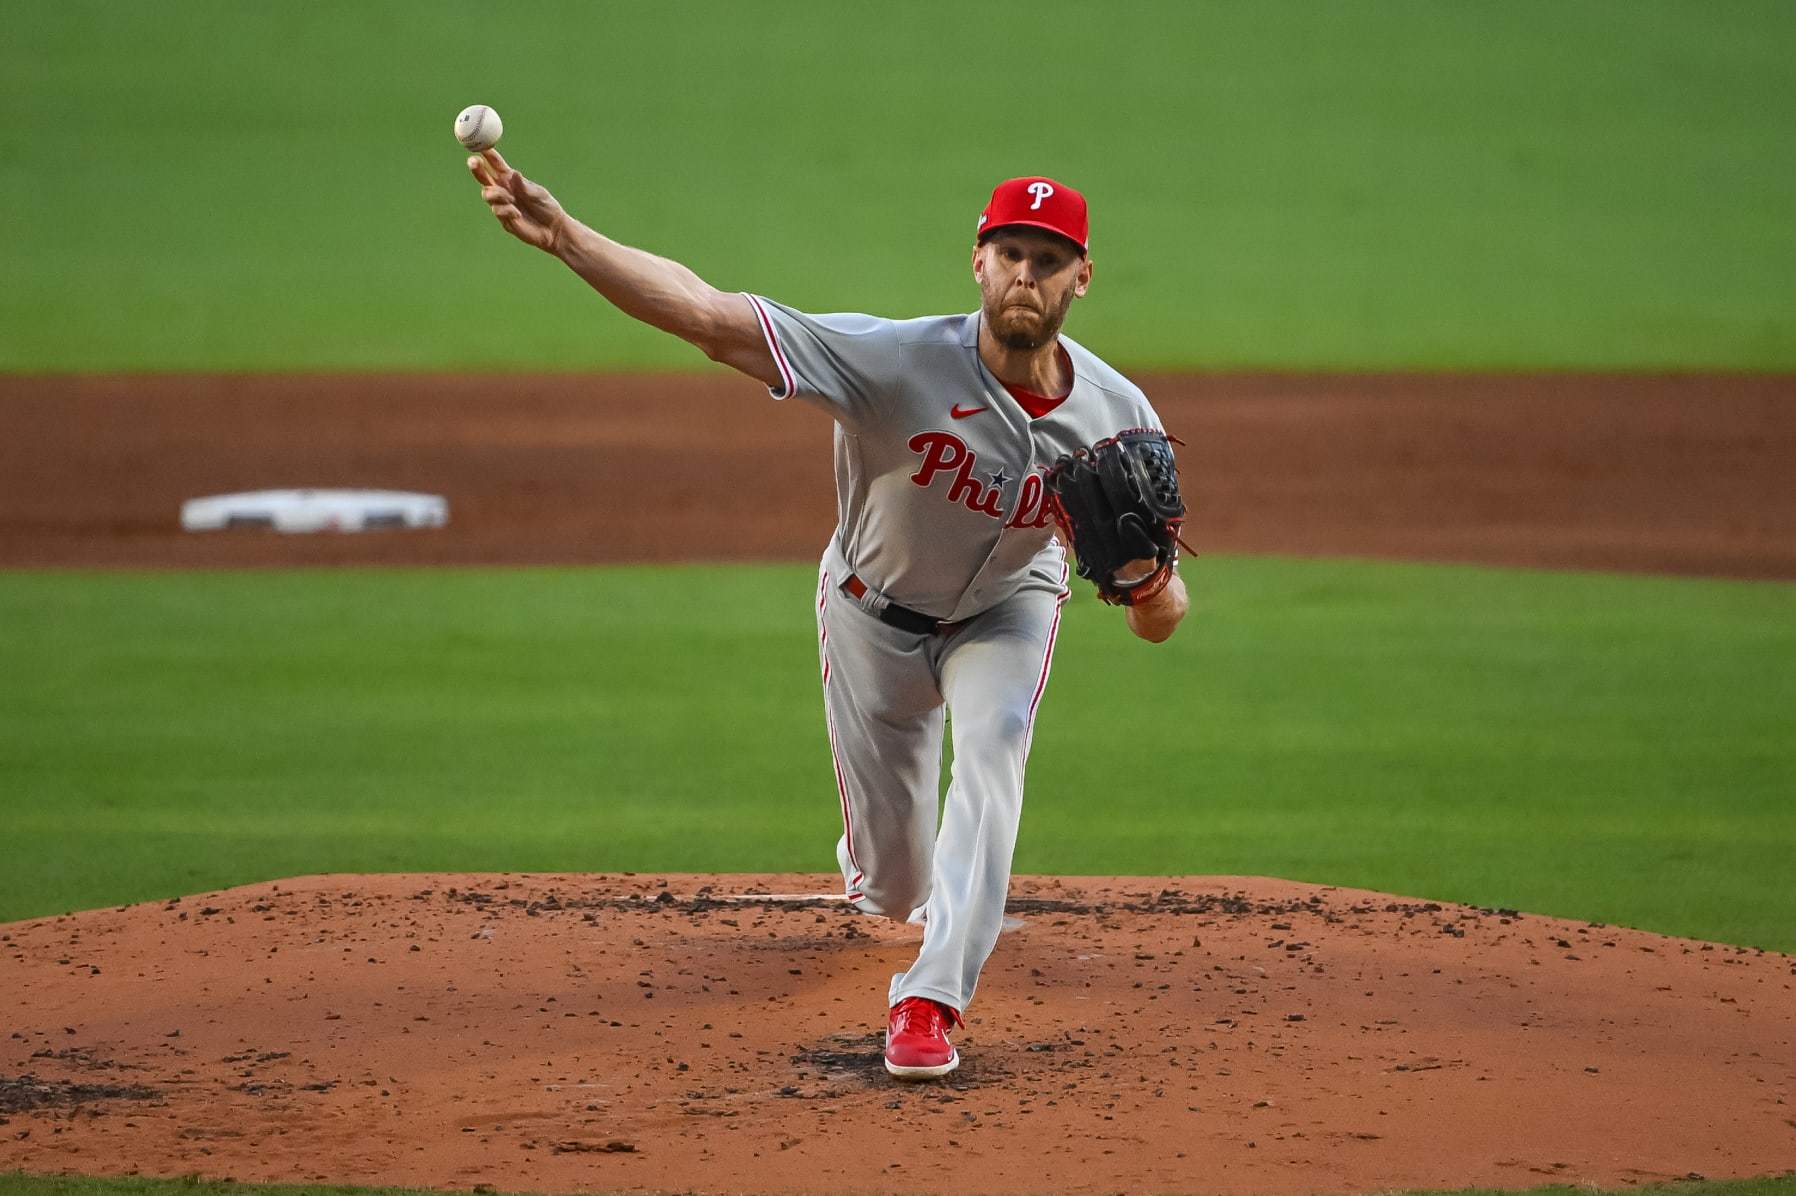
1027,280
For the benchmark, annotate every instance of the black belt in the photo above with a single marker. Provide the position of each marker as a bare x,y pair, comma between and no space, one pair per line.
901,617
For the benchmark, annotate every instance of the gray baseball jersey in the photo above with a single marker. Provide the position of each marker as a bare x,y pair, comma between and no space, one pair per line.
939,495
940,508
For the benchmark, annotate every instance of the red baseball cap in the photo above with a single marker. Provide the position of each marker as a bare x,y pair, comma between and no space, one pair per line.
1038,203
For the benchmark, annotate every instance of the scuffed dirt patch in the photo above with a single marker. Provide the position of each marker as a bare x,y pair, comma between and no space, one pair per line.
27,1093
563,1033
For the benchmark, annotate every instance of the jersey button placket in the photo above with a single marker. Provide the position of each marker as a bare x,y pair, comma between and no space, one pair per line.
1003,449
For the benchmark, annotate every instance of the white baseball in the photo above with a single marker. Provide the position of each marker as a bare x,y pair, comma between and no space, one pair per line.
478,127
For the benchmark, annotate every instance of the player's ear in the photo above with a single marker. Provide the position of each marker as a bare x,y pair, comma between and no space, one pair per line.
979,261
1082,283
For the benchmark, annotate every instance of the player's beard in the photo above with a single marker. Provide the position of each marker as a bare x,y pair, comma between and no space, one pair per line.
1025,329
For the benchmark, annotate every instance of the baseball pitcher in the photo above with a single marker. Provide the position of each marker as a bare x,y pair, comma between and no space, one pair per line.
959,442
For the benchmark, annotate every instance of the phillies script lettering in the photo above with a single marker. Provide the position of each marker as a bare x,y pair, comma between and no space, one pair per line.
946,453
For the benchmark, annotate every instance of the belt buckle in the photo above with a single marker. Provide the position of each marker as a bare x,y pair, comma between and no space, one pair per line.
893,615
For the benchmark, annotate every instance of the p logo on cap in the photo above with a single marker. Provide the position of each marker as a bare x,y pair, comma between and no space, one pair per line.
1038,202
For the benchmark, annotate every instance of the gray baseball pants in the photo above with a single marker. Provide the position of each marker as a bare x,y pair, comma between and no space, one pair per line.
886,695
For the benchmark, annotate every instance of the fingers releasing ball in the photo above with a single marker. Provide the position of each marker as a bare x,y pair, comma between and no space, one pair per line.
478,127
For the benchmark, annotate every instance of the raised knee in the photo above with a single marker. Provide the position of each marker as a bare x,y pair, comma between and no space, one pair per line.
1001,729
893,901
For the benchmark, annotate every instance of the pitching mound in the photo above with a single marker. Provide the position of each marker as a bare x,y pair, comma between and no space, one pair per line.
565,1033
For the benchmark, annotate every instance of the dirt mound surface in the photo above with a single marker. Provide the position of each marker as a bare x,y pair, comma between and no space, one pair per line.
563,1033
1681,474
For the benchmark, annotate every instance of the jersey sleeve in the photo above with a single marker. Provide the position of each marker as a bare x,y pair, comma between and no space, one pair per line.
1139,409
843,363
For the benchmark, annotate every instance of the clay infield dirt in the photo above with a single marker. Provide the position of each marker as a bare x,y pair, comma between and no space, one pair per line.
1685,474
596,1033
593,1033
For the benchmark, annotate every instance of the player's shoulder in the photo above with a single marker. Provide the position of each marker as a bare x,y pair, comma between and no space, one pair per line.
906,332
848,322
922,331
1097,372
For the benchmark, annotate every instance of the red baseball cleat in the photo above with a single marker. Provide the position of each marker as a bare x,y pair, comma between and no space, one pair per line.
917,1046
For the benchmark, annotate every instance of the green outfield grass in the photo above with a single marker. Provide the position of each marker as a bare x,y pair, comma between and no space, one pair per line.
1400,183
1601,747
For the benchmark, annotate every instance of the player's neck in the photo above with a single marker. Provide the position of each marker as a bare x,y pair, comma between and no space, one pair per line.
1044,371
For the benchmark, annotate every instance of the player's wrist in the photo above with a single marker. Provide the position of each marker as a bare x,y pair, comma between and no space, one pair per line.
560,237
1156,618
1150,589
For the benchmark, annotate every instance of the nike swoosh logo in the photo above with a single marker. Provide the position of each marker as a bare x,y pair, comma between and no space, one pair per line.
957,412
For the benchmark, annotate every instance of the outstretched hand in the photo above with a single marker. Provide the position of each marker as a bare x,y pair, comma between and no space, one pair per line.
525,209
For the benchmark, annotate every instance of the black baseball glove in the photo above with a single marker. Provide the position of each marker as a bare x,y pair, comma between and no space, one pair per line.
1118,505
